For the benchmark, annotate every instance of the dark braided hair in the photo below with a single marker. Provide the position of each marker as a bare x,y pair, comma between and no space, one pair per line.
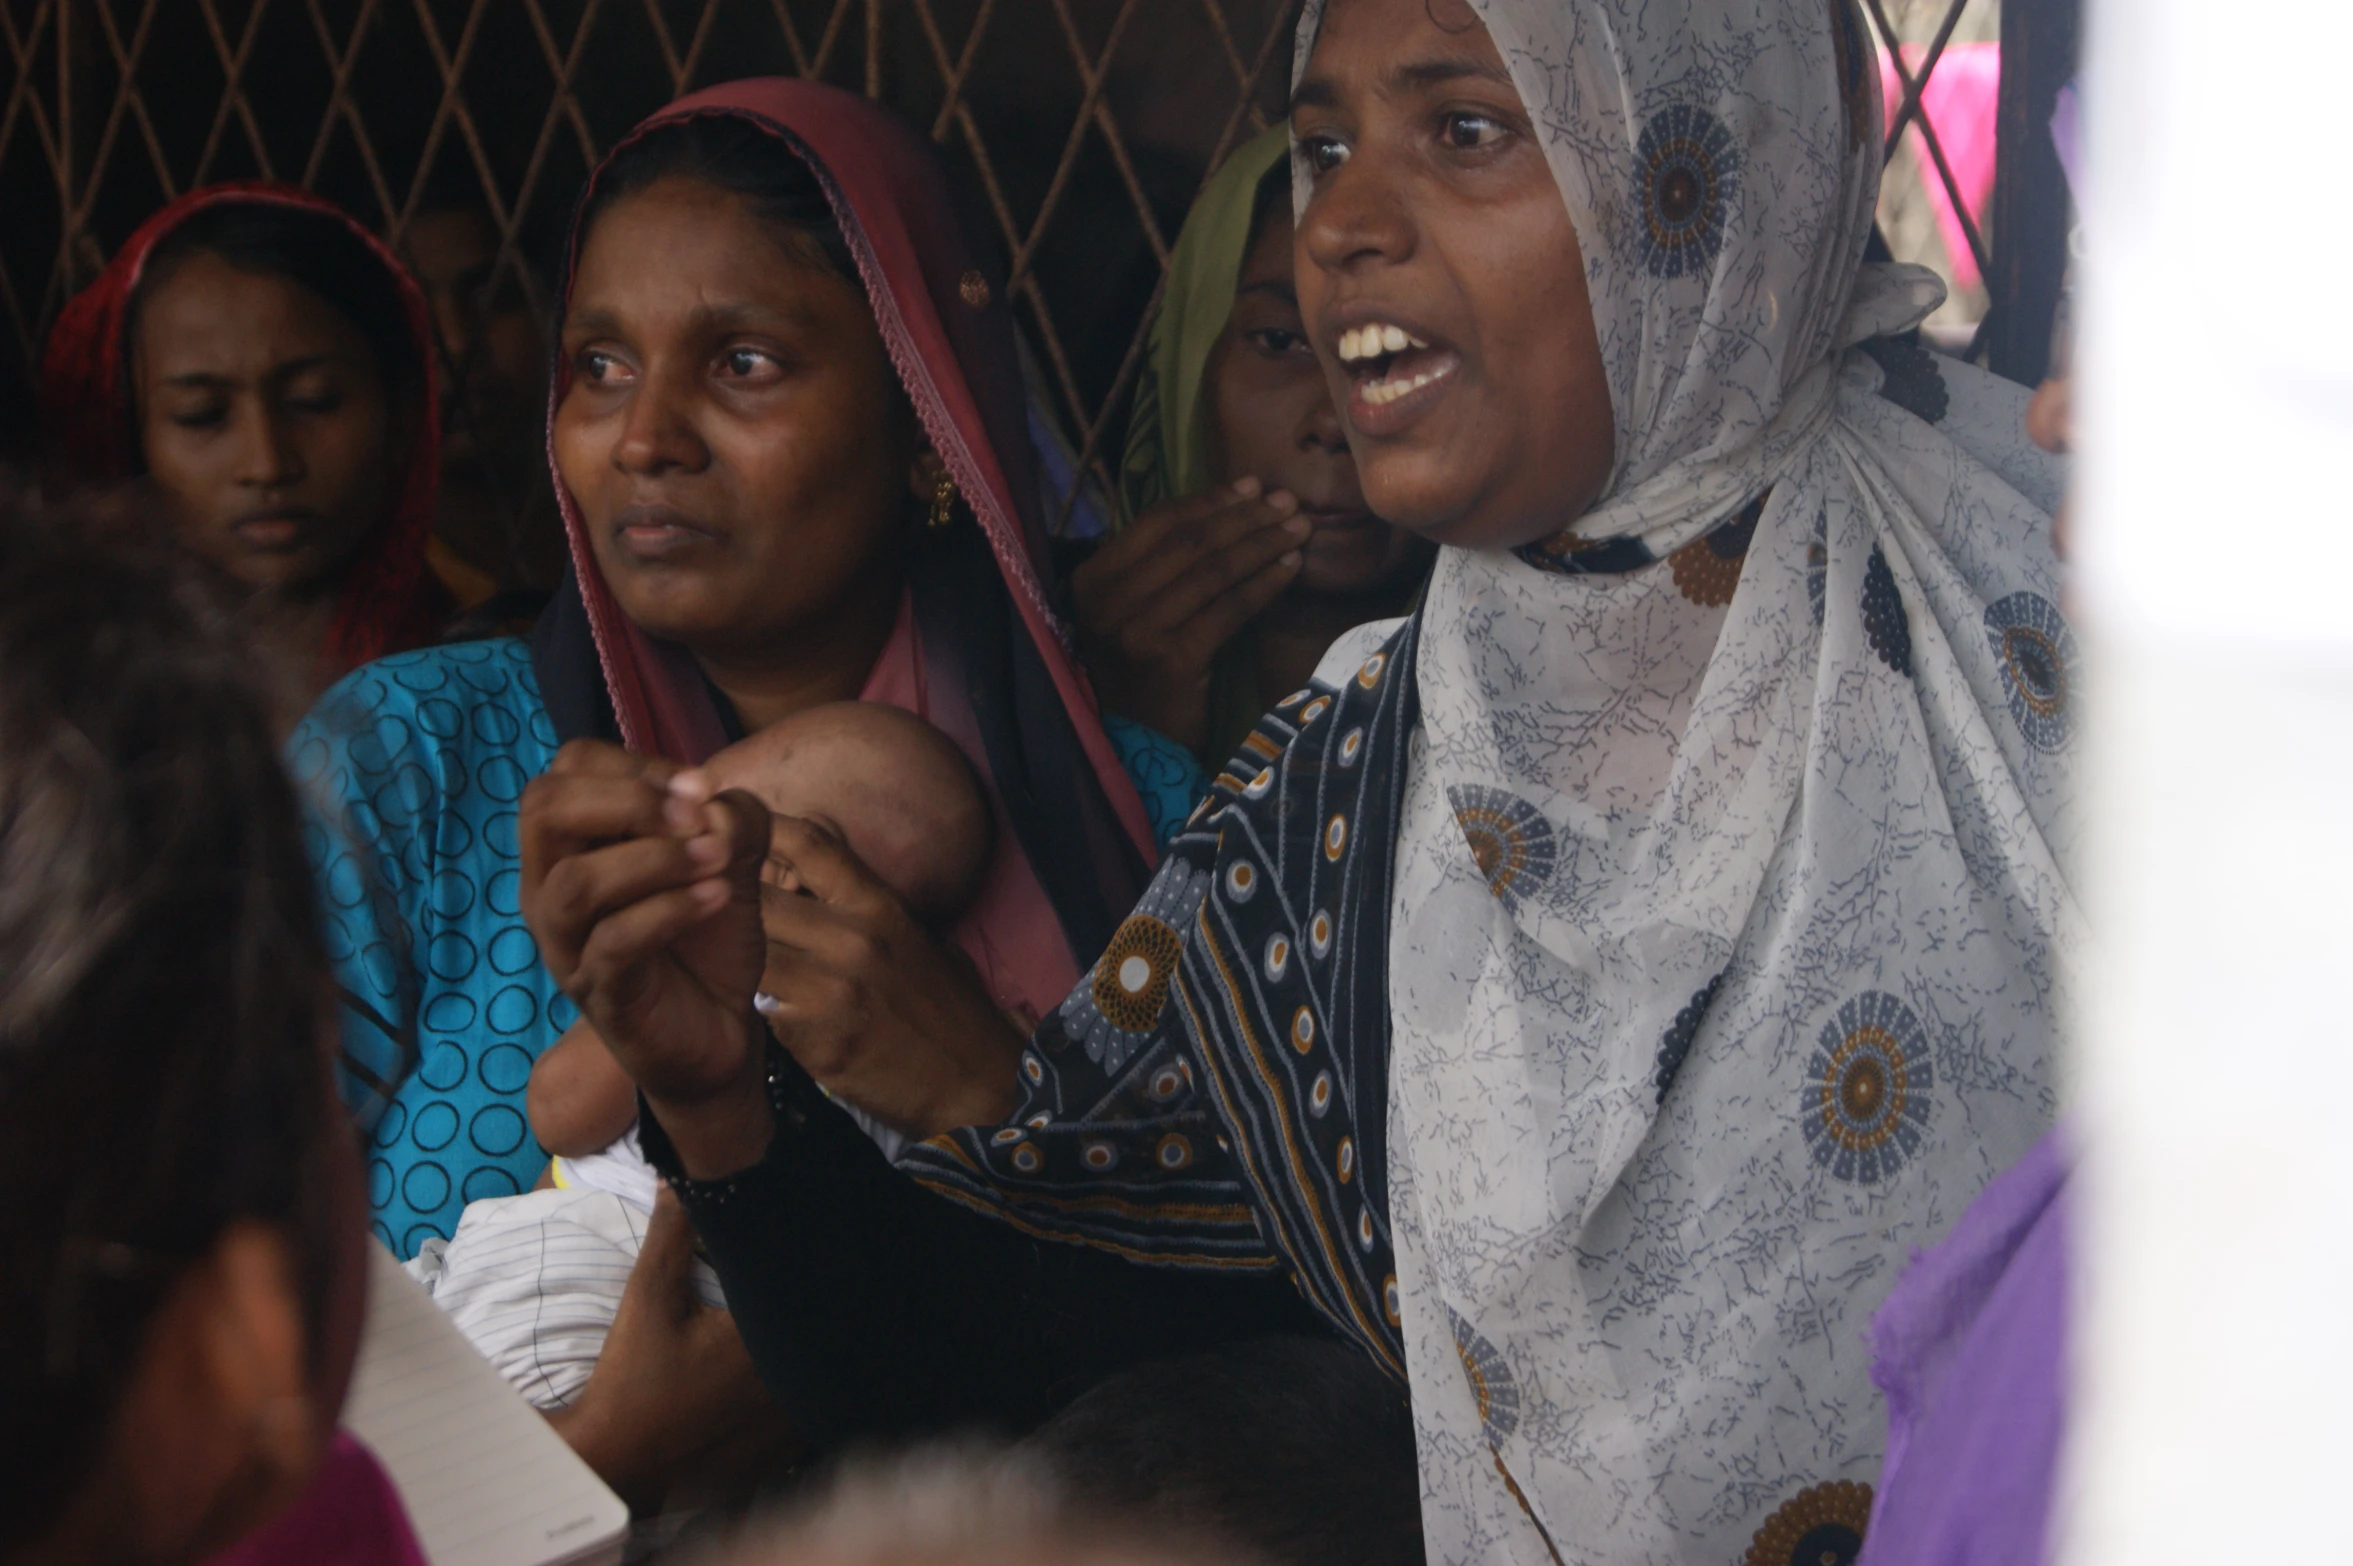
164,1000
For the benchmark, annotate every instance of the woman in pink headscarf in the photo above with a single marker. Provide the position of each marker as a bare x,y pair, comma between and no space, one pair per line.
789,442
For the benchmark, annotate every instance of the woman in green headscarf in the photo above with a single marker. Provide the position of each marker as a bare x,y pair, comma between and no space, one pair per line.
1243,546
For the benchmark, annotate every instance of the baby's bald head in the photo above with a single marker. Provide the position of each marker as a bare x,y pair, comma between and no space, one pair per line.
897,790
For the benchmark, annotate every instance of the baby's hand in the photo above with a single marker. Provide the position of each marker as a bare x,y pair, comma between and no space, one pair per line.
578,1097
778,871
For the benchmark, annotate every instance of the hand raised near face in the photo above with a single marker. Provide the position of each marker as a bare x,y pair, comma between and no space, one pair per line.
1161,596
875,1008
642,890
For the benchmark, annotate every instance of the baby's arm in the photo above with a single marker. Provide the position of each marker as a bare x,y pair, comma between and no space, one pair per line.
580,1099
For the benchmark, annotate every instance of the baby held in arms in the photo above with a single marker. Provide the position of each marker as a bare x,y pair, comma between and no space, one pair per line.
534,1280
885,782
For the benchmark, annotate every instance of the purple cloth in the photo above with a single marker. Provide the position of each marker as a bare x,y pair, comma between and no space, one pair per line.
350,1516
2067,136
1971,1350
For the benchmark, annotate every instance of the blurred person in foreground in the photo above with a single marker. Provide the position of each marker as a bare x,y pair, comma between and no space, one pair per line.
951,1505
1283,1450
1297,1448
184,1263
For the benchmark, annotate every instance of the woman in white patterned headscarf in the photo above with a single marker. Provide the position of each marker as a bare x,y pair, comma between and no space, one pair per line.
1590,989
1728,900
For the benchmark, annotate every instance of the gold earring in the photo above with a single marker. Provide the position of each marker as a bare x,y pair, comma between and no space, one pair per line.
943,501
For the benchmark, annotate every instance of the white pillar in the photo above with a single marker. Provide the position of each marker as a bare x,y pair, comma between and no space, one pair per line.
2214,1338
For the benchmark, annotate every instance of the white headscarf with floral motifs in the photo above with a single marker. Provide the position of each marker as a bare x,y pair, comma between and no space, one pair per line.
1730,900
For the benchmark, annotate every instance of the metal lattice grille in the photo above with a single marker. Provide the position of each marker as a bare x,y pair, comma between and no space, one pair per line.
1974,189
1931,209
1085,125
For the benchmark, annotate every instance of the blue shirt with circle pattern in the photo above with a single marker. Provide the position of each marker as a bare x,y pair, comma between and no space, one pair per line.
412,771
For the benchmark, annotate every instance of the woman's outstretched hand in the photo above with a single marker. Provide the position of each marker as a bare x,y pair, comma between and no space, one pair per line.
1161,596
873,1006
643,891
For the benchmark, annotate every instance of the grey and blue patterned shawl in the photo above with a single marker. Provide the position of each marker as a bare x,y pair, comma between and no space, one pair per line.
1214,1094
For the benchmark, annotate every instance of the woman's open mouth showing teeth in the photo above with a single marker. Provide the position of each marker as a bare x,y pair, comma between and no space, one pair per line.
1374,340
1385,362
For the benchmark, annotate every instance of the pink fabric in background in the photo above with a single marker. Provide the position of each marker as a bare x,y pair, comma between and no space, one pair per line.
350,1516
1961,100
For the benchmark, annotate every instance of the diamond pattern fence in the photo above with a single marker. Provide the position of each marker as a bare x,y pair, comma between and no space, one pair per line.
1973,187
1085,126
1937,58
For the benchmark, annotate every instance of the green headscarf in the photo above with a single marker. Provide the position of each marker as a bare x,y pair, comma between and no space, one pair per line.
1167,446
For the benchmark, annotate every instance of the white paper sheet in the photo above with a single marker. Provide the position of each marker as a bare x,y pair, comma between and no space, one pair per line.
485,1480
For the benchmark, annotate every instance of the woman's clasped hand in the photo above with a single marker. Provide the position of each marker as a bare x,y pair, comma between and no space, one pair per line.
873,1006
644,891
674,1392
